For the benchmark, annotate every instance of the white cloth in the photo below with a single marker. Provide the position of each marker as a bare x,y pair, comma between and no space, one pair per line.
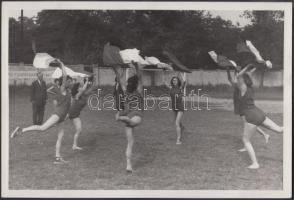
213,55
152,60
156,61
268,64
58,73
129,55
42,60
165,66
233,63
256,53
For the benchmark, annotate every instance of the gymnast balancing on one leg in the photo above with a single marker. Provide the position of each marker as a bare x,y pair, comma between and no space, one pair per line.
176,93
236,102
131,116
63,98
80,94
254,117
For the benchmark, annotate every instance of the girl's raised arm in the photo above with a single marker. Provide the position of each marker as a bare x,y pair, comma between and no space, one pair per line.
64,76
230,79
92,88
139,74
119,78
184,79
83,89
244,70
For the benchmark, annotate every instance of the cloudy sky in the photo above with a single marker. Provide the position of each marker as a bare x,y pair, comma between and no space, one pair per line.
234,16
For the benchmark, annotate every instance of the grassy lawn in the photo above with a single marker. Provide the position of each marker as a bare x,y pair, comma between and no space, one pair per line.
207,159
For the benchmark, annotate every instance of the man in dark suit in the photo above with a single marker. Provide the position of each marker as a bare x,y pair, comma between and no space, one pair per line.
38,98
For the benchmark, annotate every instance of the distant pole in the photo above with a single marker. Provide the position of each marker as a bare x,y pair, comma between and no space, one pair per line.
21,37
185,79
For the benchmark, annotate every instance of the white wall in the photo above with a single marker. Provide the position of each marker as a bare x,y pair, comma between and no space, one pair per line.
25,75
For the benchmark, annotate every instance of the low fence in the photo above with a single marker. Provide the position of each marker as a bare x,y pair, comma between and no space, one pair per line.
26,74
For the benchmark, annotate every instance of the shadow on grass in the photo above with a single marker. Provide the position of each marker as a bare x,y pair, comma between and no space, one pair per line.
146,155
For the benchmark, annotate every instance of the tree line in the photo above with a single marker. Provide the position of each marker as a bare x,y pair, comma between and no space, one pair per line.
78,36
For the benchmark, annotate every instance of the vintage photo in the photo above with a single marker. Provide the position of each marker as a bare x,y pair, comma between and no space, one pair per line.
146,99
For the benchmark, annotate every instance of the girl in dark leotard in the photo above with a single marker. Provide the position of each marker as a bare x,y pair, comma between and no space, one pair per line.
80,94
254,117
63,98
237,103
176,89
53,90
131,115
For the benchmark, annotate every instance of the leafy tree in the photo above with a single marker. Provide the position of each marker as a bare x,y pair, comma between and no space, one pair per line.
21,51
267,33
78,36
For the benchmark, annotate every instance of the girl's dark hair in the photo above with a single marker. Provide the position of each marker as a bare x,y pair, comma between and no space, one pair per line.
247,80
75,89
132,84
179,81
68,77
57,79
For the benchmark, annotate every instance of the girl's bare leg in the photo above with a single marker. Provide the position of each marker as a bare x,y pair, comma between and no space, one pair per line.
59,159
261,132
244,121
59,141
268,123
78,127
124,119
129,150
131,122
48,124
178,126
249,130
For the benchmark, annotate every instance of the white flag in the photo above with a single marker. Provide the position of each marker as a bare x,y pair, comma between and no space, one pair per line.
58,73
42,60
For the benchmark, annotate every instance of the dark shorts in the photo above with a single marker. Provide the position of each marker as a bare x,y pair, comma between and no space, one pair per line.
73,115
254,116
61,114
178,107
61,117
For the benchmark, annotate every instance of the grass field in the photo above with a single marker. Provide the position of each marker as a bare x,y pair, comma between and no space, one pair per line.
207,159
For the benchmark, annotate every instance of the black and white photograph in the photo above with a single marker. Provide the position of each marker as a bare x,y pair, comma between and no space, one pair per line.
146,99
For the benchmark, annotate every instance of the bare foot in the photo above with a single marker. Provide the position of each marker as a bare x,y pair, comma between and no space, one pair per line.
253,166
117,116
77,148
17,131
242,150
129,168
